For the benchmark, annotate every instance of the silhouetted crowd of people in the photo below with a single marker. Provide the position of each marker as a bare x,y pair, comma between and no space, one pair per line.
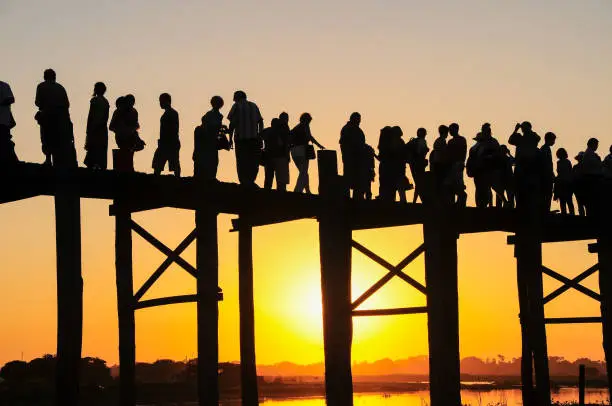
500,179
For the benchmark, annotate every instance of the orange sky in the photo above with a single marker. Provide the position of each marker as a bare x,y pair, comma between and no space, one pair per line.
397,62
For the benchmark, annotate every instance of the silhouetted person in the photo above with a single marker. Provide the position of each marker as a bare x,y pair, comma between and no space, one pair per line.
527,170
578,185
276,155
124,123
507,175
133,123
168,145
563,182
245,126
208,139
388,154
54,119
402,183
117,121
548,172
484,164
592,174
416,155
607,164
352,142
457,153
96,143
300,140
368,172
7,122
438,159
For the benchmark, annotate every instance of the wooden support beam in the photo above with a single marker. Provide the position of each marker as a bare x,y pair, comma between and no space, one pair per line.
581,384
604,244
572,320
527,384
248,366
528,252
395,270
335,238
571,283
390,312
163,248
69,295
125,308
443,309
392,272
163,301
165,265
138,206
207,277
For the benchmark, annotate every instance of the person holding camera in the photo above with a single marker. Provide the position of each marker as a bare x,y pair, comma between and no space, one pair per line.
209,138
302,151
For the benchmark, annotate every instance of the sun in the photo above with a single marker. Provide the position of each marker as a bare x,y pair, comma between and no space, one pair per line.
307,309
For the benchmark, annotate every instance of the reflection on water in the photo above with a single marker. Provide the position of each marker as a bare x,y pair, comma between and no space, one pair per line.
473,398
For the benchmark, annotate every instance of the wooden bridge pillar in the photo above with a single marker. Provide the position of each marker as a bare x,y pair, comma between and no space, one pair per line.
528,252
125,306
248,366
604,250
443,309
527,388
69,295
335,236
529,272
207,258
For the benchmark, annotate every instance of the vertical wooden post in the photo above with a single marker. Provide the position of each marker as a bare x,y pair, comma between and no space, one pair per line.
442,302
248,368
69,294
604,251
125,306
528,252
526,351
529,271
335,236
581,385
207,305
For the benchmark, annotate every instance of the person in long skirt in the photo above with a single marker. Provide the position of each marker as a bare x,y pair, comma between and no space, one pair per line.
96,142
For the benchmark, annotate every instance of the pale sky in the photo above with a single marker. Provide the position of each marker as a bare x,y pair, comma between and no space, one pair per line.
407,63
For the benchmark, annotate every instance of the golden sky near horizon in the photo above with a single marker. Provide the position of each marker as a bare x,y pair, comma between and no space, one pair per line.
398,62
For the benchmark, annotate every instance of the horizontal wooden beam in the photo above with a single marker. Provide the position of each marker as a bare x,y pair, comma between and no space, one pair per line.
135,207
146,191
390,312
572,320
163,301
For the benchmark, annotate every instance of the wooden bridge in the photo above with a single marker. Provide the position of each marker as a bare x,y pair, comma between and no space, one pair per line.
338,216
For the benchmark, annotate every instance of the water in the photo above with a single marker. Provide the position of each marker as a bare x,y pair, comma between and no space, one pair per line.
506,397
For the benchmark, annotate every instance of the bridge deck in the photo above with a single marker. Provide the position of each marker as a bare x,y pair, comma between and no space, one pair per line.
147,191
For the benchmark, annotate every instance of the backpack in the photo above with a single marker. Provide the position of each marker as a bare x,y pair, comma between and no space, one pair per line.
411,150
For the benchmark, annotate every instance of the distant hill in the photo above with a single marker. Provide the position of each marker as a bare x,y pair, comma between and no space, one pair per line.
420,366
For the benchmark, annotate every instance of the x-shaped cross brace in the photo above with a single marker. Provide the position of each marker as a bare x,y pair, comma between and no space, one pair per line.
571,283
172,256
393,271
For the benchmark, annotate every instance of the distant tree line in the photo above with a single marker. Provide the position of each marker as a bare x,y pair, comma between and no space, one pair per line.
33,382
